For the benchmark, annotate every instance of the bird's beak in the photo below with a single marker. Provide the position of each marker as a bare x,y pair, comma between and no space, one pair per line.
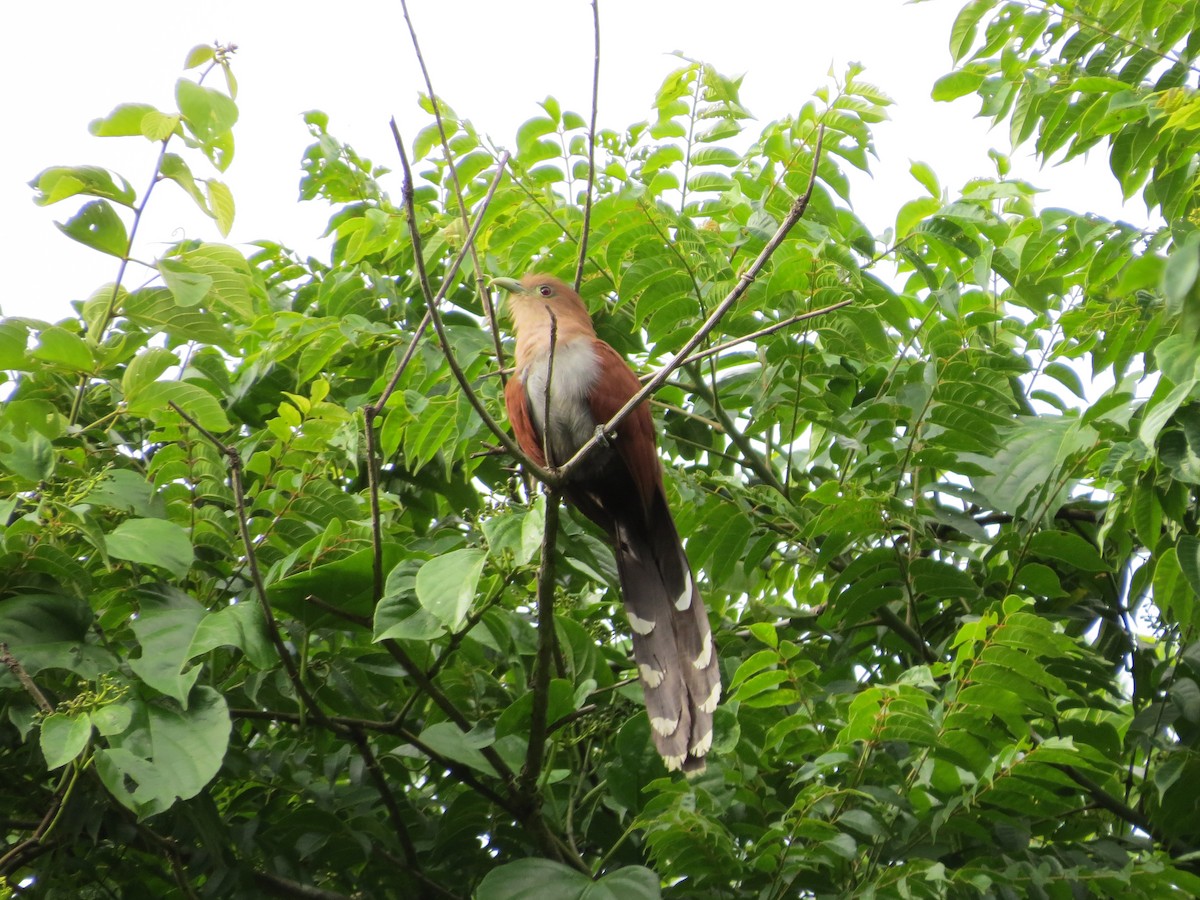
509,284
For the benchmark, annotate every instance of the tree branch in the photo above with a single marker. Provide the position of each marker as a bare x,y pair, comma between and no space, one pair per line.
747,278
432,301
239,498
485,298
587,204
446,706
22,676
545,651
754,335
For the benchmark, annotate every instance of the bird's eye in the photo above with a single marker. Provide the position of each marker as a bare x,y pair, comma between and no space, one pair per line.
545,290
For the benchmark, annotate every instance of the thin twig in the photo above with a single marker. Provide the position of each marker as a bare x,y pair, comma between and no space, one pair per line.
535,754
744,282
374,465
433,300
750,455
279,886
587,203
388,798
346,724
260,589
19,854
14,666
451,646
549,384
447,706
361,621
754,335
485,298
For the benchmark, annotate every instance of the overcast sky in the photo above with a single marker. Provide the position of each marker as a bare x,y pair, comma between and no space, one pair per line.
69,62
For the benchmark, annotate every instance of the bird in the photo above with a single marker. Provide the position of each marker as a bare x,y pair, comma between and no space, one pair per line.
619,486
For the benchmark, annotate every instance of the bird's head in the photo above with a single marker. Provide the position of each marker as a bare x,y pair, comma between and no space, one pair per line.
532,299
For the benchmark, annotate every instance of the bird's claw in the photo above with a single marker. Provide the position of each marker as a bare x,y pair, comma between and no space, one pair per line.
602,438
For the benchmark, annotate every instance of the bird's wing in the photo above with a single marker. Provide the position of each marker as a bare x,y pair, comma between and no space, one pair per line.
517,402
615,384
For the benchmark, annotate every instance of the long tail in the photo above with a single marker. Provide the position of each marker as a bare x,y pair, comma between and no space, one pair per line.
672,641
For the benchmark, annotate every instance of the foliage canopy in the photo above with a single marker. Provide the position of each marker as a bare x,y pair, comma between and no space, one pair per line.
268,595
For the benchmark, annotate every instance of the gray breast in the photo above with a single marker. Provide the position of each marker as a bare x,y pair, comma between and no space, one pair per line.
574,372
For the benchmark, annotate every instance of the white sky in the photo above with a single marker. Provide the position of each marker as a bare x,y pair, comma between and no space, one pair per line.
69,62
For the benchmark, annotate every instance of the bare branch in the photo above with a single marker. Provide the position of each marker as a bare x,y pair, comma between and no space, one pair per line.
388,798
432,302
22,676
587,204
545,652
485,297
447,706
239,498
762,332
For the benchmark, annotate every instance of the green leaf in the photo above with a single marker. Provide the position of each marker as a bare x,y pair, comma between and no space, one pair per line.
64,737
156,542
1028,464
448,740
240,625
220,201
233,286
530,131
112,719
124,121
1067,377
1180,273
517,716
399,615
1189,560
98,226
168,753
958,84
52,631
544,879
446,584
345,583
186,285
926,178
154,402
64,349
198,56
1068,547
165,628
962,34
1174,593
127,491
207,113
158,126
144,369
174,168
60,182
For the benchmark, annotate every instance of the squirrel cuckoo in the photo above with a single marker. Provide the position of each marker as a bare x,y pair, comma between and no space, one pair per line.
618,485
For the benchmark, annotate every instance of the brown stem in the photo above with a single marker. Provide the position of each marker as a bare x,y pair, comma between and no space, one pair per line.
587,203
22,676
388,798
485,297
260,589
447,706
432,300
535,753
762,332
